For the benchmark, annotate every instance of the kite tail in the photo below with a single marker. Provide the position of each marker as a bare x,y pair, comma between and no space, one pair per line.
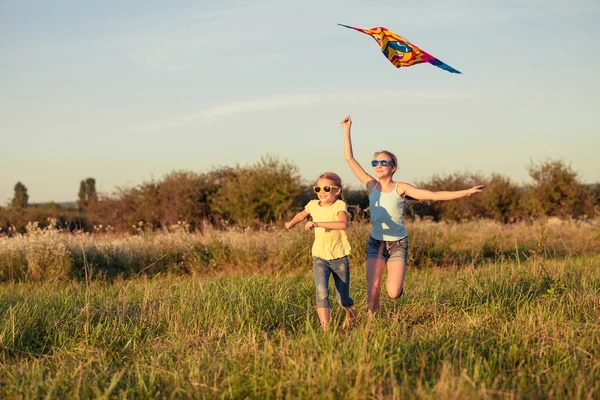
356,29
443,65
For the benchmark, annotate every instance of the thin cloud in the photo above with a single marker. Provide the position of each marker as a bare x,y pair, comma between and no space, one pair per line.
295,100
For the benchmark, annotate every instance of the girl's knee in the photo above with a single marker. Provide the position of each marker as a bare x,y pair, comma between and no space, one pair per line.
395,293
374,287
322,297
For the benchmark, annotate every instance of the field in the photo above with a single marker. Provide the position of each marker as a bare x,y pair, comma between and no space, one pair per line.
489,311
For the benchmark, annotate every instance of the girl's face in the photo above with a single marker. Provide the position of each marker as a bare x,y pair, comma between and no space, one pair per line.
326,190
383,171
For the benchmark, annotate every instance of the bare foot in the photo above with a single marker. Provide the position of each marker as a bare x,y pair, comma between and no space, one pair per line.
350,317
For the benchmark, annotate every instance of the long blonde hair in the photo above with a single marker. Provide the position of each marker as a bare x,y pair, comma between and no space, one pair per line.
335,178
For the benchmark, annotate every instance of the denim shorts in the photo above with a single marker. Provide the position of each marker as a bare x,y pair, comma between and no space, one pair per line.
396,250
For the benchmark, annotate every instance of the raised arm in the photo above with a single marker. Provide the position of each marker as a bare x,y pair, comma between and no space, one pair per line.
424,194
360,173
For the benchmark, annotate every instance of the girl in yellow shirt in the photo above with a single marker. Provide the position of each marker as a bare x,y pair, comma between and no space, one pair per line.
330,249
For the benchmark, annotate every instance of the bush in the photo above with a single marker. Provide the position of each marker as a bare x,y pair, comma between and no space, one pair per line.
19,218
501,199
462,209
556,191
261,193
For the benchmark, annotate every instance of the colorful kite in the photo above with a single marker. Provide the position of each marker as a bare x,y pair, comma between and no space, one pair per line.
400,51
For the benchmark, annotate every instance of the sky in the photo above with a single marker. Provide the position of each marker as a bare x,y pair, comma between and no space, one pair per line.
127,92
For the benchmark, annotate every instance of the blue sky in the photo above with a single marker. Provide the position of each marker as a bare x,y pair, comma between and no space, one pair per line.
126,92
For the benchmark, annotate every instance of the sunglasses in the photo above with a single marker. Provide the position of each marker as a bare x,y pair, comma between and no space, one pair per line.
383,163
326,189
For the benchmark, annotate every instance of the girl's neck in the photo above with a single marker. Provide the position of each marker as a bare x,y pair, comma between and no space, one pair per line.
323,204
385,181
385,184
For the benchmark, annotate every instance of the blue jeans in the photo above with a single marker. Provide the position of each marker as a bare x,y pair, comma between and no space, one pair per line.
341,278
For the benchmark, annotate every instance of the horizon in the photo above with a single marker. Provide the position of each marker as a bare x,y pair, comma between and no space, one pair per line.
521,185
128,93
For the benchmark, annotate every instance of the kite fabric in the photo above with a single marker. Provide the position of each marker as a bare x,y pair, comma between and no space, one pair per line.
400,51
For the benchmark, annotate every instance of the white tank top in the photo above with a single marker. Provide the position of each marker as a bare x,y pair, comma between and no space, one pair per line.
387,215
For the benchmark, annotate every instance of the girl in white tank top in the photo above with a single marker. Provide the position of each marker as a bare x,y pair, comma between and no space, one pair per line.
388,244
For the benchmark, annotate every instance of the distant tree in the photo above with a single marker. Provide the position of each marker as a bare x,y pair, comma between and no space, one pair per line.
87,193
260,193
185,196
357,197
180,196
127,207
462,209
501,199
358,202
91,189
556,191
21,197
595,190
82,202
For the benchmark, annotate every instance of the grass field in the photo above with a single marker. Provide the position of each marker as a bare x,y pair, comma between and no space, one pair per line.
52,255
493,326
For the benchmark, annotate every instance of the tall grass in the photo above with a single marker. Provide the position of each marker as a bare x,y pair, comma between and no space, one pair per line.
49,254
515,313
505,329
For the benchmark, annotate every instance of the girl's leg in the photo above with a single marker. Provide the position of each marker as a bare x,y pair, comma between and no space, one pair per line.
321,271
396,270
323,314
341,279
375,267
396,267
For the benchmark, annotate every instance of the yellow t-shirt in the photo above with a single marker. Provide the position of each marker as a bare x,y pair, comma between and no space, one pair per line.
329,243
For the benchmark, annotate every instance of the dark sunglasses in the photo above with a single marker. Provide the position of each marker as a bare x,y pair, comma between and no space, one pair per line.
383,163
326,189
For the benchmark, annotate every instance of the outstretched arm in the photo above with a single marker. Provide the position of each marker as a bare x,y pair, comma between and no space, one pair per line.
423,194
360,173
302,215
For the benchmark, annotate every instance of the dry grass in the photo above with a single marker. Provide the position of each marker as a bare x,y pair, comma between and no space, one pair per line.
50,254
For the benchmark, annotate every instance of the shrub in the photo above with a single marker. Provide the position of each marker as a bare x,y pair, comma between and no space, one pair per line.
261,193
501,199
556,191
462,209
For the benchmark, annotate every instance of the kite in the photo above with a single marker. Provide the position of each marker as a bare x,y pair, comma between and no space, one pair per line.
400,51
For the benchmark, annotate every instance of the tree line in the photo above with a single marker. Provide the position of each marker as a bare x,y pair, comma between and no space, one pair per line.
264,193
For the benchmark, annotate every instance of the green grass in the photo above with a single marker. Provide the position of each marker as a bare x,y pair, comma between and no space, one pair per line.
506,329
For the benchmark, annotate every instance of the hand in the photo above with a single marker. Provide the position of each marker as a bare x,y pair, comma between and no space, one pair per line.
310,225
288,225
475,189
347,123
